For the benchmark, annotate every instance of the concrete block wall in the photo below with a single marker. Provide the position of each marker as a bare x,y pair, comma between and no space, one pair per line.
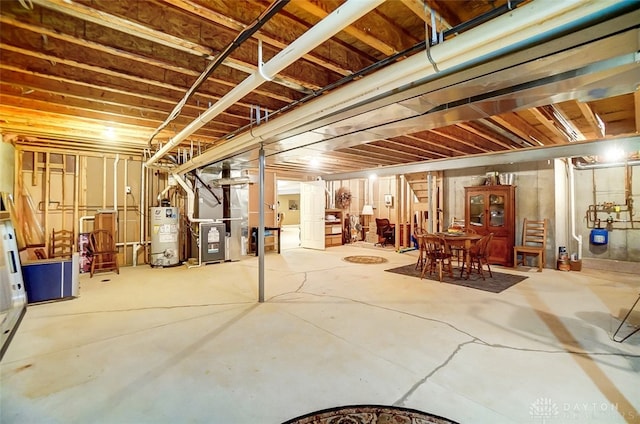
538,195
597,186
535,195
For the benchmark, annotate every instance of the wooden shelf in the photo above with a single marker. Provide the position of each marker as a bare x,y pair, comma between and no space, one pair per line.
333,227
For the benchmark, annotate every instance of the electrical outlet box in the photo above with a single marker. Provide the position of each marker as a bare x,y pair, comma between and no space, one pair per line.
127,190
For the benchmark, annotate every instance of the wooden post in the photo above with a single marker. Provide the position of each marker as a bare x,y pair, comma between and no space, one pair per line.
34,177
82,188
125,179
104,182
18,182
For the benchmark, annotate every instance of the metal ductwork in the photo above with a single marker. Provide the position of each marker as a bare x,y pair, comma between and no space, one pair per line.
230,181
328,117
532,154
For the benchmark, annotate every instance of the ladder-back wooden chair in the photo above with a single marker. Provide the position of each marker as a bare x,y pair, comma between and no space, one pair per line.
478,254
534,242
103,251
61,245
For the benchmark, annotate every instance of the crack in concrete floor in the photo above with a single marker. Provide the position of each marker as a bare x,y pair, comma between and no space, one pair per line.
474,340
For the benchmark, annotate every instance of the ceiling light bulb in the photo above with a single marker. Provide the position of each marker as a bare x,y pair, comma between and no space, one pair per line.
614,154
109,133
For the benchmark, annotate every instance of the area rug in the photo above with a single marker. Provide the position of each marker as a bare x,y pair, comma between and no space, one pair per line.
365,259
498,283
369,414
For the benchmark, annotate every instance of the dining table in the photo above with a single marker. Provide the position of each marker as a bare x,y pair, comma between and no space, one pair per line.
460,239
464,241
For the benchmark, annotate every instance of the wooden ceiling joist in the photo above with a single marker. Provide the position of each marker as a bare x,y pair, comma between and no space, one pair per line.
69,69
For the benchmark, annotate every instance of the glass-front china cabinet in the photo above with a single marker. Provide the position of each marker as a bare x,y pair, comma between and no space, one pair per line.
492,209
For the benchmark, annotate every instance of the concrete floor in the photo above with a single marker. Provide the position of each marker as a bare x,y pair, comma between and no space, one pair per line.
180,345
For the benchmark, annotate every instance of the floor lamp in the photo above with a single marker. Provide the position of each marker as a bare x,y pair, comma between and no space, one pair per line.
367,211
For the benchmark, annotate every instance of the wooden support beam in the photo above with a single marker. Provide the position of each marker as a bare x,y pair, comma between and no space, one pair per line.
140,31
424,12
447,133
17,199
228,22
588,114
426,142
63,90
514,123
549,124
484,135
104,183
361,35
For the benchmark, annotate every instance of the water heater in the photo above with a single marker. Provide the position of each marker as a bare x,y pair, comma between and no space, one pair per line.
165,230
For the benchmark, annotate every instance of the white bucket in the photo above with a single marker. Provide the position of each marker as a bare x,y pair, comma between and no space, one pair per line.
507,179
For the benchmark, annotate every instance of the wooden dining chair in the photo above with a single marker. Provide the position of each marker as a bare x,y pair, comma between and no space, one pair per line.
478,255
103,251
470,230
534,242
61,244
438,254
457,225
418,234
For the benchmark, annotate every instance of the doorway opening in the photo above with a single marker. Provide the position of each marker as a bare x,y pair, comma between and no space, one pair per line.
289,213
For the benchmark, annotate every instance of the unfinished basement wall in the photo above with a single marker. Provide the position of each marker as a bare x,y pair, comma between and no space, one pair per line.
355,188
67,189
609,194
535,196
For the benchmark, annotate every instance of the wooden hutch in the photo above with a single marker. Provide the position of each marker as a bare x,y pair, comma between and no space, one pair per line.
492,209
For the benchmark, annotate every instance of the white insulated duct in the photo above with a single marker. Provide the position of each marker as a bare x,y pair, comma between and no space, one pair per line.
342,17
191,200
572,208
524,24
